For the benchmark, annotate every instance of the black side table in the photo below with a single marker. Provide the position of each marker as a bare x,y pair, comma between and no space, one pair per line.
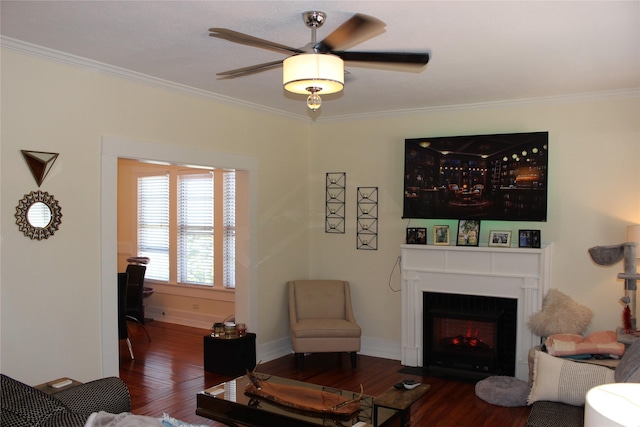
230,356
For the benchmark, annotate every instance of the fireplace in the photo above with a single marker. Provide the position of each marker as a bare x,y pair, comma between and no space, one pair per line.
518,274
469,333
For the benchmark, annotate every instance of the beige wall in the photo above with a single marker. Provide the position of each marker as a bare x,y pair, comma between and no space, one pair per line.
594,153
51,290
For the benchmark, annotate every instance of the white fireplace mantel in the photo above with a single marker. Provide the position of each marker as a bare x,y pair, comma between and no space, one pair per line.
520,273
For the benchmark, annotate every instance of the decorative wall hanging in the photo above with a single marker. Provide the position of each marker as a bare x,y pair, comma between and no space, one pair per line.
367,231
40,163
38,215
334,210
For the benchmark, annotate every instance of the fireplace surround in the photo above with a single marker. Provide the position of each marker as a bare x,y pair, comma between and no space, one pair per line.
521,274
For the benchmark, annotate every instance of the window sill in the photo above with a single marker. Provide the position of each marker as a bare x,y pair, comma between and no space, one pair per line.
193,291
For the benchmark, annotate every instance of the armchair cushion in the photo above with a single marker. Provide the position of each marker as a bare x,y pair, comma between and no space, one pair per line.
320,299
325,328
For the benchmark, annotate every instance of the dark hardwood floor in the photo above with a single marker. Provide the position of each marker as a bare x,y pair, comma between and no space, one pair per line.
167,373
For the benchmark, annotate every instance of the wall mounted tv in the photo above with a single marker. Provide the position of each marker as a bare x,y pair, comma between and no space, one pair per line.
490,177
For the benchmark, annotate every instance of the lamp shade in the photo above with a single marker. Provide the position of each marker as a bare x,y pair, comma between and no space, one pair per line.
613,405
322,71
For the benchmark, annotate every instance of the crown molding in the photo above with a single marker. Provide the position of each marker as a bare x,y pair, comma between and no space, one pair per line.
543,100
77,61
110,70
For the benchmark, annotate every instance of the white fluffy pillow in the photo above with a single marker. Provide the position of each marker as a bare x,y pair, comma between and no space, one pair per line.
560,314
565,381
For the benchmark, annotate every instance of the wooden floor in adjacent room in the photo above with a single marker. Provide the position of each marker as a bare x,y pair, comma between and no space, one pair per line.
167,373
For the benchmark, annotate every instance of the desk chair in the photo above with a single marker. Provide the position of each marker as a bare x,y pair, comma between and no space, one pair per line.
135,310
123,333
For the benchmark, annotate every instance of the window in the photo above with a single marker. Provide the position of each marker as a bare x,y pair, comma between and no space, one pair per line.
153,224
195,229
186,226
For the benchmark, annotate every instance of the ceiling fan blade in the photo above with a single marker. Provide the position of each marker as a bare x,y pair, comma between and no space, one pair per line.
245,71
355,30
415,58
236,37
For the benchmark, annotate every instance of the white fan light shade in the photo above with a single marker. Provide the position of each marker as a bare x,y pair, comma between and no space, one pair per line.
313,70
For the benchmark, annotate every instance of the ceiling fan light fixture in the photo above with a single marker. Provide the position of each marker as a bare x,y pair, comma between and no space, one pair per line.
314,101
322,71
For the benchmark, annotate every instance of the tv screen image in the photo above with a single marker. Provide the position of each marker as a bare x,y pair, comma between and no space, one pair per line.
488,177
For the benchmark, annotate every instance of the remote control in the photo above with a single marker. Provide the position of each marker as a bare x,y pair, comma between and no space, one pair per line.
407,384
61,384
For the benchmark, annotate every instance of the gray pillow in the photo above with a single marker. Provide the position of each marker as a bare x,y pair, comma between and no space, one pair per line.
628,370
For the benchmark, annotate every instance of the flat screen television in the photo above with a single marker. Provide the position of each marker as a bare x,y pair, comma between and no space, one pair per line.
488,177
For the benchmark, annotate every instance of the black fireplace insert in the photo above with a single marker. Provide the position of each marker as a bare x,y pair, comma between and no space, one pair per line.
470,333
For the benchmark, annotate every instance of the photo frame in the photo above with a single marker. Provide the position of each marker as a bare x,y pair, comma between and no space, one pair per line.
529,238
468,232
500,239
441,235
416,236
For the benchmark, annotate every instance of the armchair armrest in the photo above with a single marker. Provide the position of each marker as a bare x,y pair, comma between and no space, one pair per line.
106,394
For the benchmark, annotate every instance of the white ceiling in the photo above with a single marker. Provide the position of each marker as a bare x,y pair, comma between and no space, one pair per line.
481,51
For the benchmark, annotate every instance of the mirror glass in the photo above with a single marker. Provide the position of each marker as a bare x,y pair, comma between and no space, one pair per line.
39,215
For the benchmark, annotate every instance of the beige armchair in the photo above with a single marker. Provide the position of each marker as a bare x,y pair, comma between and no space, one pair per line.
321,319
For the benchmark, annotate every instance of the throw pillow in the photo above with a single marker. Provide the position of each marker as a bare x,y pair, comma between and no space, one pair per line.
565,381
628,370
560,314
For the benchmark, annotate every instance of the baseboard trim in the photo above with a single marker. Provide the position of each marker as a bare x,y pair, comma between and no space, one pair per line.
271,350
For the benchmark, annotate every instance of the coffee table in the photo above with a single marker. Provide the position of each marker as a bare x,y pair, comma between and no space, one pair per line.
227,403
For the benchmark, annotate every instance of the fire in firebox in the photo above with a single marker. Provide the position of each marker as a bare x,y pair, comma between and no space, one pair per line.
461,342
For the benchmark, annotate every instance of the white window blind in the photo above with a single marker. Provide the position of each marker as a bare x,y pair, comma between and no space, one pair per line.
153,224
229,221
195,229
187,226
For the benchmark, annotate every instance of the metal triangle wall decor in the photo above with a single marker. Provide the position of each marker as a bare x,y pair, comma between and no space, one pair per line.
40,163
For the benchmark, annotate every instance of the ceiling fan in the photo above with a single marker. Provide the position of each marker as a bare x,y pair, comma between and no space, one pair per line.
319,66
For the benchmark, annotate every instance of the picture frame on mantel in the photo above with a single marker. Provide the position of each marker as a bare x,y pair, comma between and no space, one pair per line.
529,238
416,236
441,235
468,232
500,239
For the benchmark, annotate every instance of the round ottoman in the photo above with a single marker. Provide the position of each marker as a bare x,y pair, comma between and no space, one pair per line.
503,391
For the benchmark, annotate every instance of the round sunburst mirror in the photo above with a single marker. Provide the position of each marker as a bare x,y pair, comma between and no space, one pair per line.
38,215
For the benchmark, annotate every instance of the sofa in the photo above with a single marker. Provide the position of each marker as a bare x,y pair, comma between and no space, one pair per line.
23,405
554,405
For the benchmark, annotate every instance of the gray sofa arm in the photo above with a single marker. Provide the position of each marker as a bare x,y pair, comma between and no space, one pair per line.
106,394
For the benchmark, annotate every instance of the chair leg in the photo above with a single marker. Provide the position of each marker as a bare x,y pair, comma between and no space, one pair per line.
133,319
354,359
300,358
130,349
